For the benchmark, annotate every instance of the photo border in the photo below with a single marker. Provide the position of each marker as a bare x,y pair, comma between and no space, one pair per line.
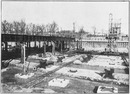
70,1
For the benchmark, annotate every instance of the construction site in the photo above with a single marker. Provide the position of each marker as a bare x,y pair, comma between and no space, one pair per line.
60,69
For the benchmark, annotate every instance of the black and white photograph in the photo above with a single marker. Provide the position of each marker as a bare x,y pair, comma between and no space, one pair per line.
64,47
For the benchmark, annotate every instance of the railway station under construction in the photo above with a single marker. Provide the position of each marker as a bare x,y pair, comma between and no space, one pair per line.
64,65
65,71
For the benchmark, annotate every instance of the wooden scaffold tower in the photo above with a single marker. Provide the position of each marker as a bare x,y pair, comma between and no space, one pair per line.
113,34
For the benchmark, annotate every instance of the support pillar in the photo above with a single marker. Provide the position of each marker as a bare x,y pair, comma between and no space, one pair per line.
69,45
65,44
77,44
35,44
61,46
44,48
29,48
6,46
39,44
23,56
53,48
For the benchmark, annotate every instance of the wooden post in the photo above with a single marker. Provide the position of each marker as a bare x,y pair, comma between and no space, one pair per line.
29,48
53,48
23,56
44,47
39,44
69,45
61,46
35,44
77,45
65,44
6,46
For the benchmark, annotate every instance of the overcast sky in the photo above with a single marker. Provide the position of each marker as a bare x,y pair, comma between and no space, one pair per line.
85,14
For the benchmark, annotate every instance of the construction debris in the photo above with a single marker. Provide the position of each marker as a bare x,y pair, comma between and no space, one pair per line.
45,64
49,68
49,91
24,76
81,73
5,69
77,62
121,78
73,70
24,90
107,61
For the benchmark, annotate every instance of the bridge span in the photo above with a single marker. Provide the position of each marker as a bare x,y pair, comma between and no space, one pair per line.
44,43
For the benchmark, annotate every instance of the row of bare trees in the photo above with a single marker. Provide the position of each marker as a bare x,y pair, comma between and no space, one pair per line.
20,27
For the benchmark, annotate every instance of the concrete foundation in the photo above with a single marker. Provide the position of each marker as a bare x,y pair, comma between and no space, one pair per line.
58,82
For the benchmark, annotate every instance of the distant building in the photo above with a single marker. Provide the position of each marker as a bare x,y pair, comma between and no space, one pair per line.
99,42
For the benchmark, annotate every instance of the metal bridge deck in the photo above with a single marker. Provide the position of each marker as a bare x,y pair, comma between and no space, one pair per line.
27,38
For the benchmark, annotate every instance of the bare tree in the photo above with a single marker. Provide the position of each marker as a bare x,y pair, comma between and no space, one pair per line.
16,27
40,29
43,29
53,28
94,30
48,28
10,29
22,26
5,27
32,28
27,28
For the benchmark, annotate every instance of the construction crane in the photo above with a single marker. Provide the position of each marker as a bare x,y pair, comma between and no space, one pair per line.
113,34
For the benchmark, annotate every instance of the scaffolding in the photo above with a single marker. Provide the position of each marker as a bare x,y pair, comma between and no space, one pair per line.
113,34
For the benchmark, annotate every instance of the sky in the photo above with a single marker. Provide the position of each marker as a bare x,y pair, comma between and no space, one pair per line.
83,14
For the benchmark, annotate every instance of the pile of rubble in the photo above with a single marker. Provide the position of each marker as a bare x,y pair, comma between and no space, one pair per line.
71,59
47,56
94,75
48,68
34,90
78,59
107,61
123,50
40,60
5,69
24,78
121,78
80,73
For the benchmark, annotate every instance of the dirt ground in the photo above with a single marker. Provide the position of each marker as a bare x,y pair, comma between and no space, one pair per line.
76,85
